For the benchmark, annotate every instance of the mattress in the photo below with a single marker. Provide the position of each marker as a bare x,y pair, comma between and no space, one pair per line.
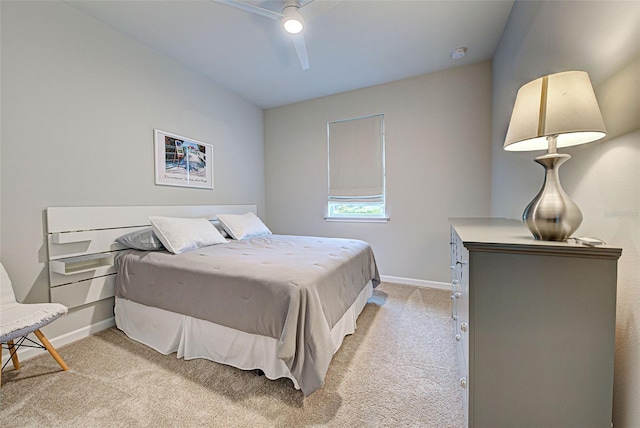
290,288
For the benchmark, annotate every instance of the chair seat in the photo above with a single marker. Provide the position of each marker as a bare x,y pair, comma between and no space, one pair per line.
20,319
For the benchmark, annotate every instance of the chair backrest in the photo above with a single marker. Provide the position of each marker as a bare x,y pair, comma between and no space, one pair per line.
7,297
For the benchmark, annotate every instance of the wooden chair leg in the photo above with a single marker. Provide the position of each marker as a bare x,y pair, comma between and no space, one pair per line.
14,355
51,350
0,363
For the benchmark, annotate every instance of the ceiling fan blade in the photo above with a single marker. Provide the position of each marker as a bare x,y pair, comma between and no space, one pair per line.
251,8
298,39
301,50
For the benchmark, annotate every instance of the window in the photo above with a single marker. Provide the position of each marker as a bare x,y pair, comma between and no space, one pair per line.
356,169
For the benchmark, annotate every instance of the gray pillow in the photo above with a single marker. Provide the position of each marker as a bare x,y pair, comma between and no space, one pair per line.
143,239
220,228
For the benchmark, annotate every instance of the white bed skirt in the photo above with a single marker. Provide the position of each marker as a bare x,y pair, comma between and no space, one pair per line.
190,338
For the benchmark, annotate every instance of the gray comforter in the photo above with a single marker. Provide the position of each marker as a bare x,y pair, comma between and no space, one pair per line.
291,288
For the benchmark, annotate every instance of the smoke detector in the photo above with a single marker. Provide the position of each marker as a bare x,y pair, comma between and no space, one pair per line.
458,53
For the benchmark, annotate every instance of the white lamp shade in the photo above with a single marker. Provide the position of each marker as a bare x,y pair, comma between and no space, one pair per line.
561,104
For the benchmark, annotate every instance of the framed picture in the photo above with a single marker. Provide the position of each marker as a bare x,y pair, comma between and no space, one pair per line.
182,161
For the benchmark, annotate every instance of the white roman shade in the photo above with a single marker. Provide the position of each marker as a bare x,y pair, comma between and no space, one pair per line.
356,160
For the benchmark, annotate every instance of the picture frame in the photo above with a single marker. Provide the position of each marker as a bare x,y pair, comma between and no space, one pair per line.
182,161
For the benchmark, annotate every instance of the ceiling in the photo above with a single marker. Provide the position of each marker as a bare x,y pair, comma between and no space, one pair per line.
351,44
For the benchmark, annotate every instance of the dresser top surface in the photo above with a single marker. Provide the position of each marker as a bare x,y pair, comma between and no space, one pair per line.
500,234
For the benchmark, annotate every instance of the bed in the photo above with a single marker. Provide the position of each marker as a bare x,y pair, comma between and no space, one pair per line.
281,304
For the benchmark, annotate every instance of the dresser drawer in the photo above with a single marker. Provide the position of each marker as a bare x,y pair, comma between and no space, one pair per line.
463,381
460,290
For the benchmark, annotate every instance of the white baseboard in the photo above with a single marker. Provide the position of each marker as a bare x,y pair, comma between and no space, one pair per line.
58,341
416,282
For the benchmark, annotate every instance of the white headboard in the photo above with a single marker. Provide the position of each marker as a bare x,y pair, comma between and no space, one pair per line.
81,244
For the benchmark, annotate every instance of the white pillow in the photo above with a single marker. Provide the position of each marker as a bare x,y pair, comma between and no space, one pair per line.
183,234
241,226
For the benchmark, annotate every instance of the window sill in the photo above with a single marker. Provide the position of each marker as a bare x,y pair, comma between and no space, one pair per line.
358,219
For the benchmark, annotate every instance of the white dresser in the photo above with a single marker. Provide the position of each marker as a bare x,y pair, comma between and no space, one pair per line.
534,326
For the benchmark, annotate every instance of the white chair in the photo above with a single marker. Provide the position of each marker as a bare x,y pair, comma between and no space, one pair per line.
17,320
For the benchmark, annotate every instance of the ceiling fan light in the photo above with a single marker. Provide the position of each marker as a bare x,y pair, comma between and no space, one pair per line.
292,21
292,26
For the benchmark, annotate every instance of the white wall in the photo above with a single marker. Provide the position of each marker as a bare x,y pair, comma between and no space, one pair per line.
80,102
437,164
0,139
603,178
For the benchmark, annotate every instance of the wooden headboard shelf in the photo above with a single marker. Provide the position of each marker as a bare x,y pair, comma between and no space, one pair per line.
79,264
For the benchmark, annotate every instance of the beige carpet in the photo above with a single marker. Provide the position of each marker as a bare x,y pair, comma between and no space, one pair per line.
398,369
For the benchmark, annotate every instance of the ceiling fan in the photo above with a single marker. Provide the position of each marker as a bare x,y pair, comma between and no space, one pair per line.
291,17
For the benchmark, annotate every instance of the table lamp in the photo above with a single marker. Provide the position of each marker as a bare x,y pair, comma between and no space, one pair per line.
558,110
